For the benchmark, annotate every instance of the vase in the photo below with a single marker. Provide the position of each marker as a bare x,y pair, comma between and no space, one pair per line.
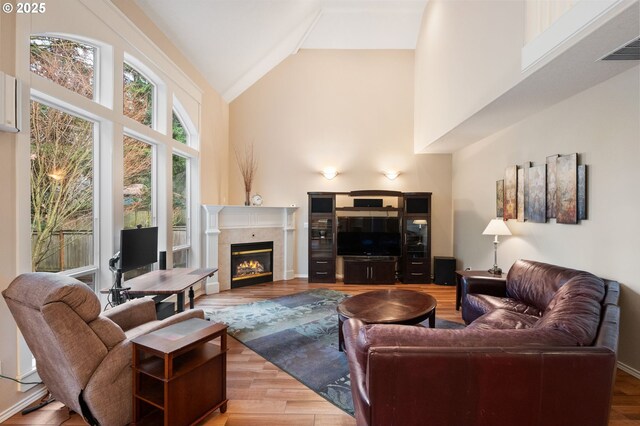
247,201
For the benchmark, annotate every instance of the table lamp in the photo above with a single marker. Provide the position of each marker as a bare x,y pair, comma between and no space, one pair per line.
496,227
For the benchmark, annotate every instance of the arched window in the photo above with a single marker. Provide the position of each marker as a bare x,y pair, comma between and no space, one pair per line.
138,96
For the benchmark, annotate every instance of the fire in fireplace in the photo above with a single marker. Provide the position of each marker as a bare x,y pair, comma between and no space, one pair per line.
251,263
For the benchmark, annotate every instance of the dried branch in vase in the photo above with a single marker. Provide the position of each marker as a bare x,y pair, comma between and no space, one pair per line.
248,165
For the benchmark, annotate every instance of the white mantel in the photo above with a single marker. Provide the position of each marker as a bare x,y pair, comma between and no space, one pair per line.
226,225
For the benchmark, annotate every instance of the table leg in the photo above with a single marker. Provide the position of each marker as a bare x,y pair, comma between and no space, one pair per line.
180,302
432,319
458,291
192,296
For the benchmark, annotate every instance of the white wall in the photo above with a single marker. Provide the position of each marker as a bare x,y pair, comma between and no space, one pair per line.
352,110
602,124
467,54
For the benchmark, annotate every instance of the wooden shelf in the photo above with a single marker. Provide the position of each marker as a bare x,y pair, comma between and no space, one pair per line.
368,209
154,366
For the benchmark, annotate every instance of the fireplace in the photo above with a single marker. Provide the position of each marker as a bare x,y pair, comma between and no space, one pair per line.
251,263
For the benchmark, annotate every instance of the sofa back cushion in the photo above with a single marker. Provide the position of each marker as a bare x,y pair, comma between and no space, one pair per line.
536,283
575,309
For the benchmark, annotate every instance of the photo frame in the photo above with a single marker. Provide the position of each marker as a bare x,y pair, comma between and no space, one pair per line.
537,205
567,189
510,192
582,192
551,186
500,198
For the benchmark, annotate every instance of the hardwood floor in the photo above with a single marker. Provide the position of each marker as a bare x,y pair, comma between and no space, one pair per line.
261,394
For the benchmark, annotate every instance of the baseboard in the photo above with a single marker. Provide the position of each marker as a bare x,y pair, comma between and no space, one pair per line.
22,404
302,275
212,288
635,373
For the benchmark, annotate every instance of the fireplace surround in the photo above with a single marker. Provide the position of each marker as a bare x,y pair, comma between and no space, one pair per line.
223,226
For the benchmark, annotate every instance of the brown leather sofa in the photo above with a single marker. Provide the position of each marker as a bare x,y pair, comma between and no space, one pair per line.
540,349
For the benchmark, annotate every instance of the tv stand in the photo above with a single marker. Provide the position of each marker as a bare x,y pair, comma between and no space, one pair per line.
369,270
413,209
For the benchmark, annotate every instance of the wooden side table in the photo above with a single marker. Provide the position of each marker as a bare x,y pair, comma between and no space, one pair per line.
460,274
179,374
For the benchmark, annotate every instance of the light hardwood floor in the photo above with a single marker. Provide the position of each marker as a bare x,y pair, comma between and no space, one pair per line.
261,394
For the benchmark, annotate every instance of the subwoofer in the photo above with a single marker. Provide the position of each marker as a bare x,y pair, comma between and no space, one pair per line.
444,270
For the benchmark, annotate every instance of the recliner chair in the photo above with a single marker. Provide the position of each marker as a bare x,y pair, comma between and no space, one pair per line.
82,355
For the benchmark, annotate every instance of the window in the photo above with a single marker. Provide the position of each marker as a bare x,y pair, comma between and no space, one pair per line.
181,235
138,96
65,62
178,131
138,183
62,190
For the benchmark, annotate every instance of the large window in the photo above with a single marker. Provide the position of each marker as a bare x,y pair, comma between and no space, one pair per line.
138,183
181,235
138,96
65,62
62,189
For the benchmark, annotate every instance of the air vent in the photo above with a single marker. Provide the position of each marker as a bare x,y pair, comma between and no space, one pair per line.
629,52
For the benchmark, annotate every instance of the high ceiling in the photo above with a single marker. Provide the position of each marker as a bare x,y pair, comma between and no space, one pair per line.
235,42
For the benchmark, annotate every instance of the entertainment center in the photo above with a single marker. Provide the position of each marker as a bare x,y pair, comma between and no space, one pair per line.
380,236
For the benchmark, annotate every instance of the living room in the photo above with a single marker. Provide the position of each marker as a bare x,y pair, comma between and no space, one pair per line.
449,116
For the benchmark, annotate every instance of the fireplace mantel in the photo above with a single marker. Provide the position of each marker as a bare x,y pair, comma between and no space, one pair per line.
226,225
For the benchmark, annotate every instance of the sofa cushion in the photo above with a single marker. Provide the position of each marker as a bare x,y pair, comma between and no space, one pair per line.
535,283
575,309
503,319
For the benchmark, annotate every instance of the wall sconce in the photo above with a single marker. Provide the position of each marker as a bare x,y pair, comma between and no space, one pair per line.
329,173
391,174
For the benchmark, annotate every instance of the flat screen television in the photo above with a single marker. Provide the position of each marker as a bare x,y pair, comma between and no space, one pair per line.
369,236
138,247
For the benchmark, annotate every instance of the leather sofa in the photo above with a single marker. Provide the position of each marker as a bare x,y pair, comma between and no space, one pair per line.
540,349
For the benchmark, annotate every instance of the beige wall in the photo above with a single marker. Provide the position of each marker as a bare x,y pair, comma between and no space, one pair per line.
464,61
352,110
602,125
8,259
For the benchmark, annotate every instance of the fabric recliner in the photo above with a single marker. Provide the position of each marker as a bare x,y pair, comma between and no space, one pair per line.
83,356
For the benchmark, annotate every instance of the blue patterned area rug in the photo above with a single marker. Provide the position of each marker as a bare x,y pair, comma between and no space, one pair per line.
299,334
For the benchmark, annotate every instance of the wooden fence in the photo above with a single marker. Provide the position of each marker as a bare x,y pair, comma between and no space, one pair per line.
74,249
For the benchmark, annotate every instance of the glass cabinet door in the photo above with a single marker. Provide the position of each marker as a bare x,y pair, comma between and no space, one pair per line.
321,238
416,238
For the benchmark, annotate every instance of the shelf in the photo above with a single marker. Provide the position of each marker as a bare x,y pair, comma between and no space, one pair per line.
369,209
151,391
154,366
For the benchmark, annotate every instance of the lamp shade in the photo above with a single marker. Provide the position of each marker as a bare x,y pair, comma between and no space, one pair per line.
496,227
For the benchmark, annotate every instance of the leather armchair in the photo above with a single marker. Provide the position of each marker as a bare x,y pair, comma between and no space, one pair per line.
83,356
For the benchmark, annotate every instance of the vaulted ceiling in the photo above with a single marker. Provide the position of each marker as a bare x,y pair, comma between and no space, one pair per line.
235,42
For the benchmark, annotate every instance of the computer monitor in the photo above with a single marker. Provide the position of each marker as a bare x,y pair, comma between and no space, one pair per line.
138,247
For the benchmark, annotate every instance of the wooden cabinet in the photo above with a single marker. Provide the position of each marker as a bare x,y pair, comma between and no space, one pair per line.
322,242
369,271
179,373
416,237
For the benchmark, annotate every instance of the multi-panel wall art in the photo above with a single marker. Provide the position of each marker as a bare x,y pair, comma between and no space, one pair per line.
538,192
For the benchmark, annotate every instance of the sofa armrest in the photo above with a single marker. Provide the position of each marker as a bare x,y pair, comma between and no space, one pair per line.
357,370
132,313
484,285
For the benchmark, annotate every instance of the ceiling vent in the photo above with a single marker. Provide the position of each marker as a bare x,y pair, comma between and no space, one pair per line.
629,52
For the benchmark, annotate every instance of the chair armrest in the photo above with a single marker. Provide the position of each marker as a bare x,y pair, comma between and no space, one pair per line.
132,313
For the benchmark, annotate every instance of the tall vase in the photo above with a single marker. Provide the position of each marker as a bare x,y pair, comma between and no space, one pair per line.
247,201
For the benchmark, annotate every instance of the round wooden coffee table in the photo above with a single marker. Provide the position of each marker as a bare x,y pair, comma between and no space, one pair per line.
387,307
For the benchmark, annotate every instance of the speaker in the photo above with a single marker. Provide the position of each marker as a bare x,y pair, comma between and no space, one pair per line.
444,270
367,202
322,205
417,205
163,260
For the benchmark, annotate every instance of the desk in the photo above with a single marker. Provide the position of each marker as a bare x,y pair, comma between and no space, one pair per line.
460,274
169,281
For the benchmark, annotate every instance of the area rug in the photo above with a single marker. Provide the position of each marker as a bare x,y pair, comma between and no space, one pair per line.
299,334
